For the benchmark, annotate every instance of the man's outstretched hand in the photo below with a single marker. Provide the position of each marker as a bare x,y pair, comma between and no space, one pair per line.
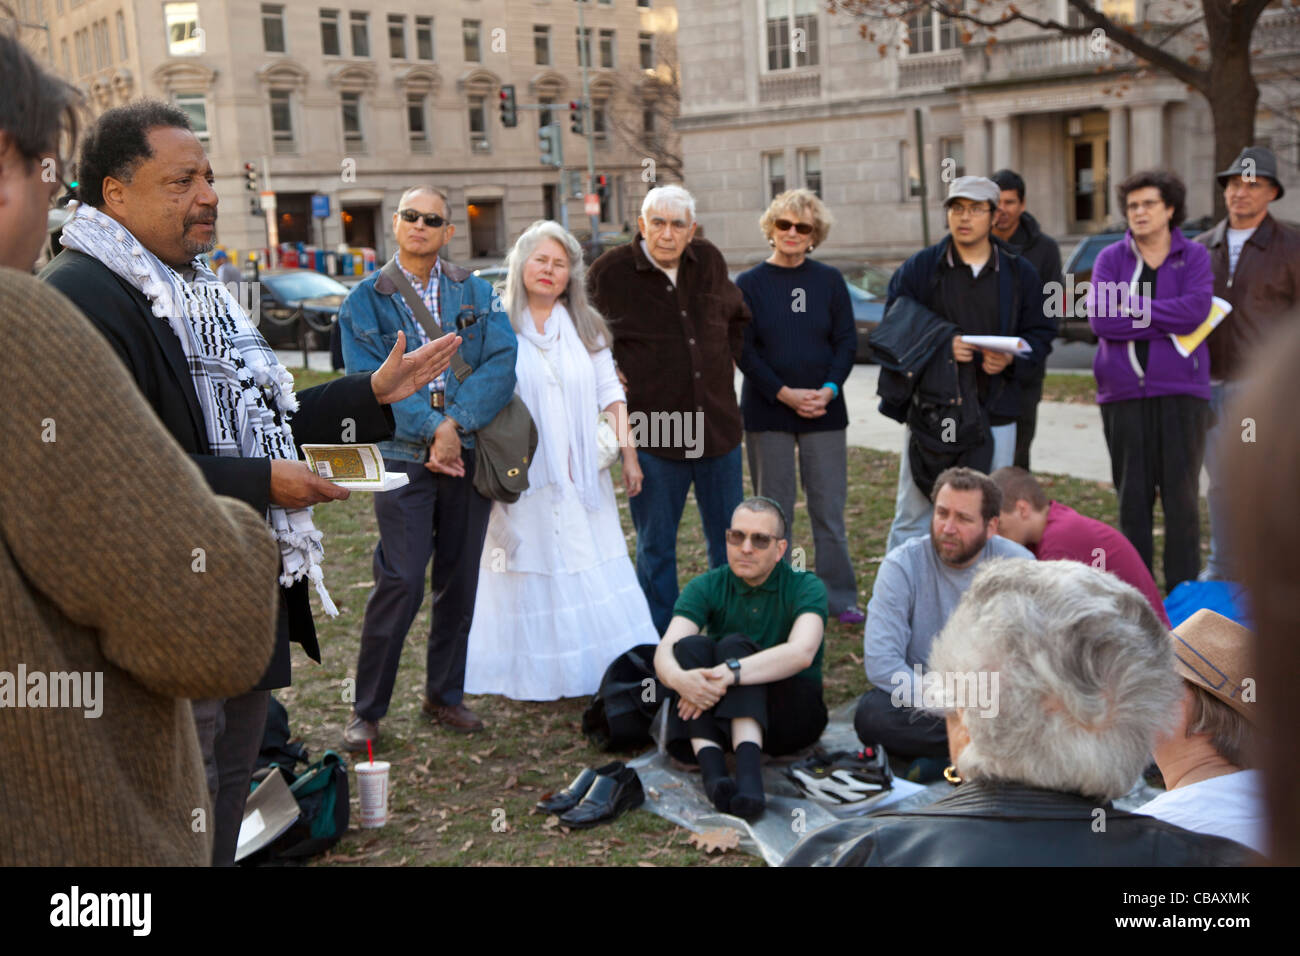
404,373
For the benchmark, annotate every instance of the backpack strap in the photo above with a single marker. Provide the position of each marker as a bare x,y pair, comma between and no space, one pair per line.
459,367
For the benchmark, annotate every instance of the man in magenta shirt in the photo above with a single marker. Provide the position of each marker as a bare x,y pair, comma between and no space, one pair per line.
1054,532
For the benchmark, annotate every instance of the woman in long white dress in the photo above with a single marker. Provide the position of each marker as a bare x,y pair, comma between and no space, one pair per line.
558,598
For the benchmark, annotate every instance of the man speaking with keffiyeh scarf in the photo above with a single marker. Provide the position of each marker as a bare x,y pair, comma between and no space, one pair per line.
147,212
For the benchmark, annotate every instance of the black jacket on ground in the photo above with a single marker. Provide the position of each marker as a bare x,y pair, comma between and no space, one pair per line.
156,361
986,824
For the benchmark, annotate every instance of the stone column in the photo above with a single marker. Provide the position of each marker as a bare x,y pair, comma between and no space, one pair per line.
1003,145
1147,150
975,141
1119,164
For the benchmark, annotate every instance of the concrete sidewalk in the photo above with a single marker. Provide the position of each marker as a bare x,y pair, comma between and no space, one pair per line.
1069,439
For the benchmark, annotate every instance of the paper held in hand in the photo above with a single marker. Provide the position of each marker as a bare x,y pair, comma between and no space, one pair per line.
355,467
1187,344
1000,343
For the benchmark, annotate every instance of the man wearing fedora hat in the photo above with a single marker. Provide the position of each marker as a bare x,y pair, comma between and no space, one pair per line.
1256,263
1205,756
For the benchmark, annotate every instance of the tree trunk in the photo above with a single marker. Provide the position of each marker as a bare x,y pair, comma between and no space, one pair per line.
1233,96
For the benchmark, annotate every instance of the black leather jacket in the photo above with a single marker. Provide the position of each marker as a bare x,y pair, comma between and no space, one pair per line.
986,824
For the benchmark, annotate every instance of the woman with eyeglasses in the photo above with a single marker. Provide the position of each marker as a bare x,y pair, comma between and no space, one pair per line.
558,598
1147,289
799,349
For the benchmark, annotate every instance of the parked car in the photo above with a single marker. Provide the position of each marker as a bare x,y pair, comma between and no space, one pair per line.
1073,324
291,296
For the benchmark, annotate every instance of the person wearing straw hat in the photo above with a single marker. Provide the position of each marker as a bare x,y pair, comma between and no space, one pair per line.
1256,264
1206,757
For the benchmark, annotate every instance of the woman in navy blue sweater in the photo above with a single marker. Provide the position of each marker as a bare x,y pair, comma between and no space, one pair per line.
798,351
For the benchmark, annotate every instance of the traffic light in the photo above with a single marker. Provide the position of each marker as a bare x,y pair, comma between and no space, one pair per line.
575,117
548,140
250,177
602,188
509,117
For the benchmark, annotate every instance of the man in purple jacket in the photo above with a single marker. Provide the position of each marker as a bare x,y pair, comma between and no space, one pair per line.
1147,289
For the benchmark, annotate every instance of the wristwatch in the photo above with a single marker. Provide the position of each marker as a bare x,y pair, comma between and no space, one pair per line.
735,668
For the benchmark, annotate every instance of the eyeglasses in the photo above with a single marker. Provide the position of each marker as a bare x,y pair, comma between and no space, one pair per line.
803,228
1143,205
737,538
968,212
431,220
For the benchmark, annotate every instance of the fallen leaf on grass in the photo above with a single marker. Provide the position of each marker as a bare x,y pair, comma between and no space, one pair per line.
467,844
854,657
511,781
720,840
443,828
476,758
644,863
551,822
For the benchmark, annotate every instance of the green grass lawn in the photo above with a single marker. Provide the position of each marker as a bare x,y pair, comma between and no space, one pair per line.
1069,388
467,800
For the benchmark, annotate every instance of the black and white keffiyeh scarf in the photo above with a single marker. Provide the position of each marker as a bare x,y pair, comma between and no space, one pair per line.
246,395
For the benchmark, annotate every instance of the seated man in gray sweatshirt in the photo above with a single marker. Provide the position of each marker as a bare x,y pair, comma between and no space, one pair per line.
919,584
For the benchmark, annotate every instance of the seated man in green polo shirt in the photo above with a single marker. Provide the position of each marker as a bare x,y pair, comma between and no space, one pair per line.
754,680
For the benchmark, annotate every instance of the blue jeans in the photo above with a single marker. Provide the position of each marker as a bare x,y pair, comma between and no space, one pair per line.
657,511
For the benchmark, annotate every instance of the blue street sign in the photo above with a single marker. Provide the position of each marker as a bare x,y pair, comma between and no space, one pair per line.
320,206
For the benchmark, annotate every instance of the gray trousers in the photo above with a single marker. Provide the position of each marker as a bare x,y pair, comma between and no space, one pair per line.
230,736
823,472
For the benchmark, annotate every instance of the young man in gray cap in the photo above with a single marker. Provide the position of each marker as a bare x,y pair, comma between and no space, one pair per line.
975,283
1256,263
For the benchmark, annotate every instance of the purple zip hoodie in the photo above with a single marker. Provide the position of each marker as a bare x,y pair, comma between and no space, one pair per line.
1121,317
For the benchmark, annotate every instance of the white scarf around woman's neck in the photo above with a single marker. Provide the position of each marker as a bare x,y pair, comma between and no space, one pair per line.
565,417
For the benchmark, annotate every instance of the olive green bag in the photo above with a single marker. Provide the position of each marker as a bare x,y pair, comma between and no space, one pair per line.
504,446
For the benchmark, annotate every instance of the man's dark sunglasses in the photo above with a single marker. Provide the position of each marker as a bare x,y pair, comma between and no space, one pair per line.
803,228
432,220
737,539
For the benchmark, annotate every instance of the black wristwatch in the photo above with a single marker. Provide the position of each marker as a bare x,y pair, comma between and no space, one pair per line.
735,668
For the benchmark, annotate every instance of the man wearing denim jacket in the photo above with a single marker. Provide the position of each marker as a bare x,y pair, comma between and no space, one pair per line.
434,446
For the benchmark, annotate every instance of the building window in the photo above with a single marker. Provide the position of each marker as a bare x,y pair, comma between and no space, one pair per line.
541,45
928,30
643,3
646,45
273,27
810,170
478,138
417,125
103,54
360,23
909,172
774,173
952,161
194,106
396,36
648,120
121,36
281,122
545,116
600,122
352,135
67,59
424,38
583,38
82,39
607,49
470,30
791,33
329,33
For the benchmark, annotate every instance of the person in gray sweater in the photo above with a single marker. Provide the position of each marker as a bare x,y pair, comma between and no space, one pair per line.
916,589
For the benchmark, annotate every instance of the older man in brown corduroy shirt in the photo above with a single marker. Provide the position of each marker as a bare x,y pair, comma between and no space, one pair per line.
126,586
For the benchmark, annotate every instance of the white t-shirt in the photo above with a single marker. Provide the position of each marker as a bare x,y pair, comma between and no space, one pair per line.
1236,242
1230,805
670,273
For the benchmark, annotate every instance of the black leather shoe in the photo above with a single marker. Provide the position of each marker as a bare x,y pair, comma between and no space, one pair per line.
572,795
608,798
